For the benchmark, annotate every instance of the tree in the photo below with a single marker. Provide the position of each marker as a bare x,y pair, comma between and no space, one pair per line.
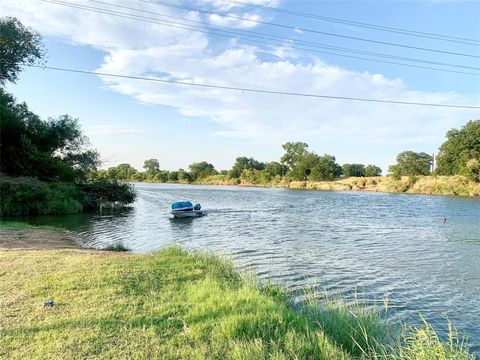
19,46
410,163
353,170
243,163
460,147
275,168
294,153
372,170
54,149
124,172
152,166
303,168
201,170
326,168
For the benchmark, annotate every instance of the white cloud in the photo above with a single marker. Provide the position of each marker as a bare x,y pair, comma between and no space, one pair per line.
113,130
245,21
137,48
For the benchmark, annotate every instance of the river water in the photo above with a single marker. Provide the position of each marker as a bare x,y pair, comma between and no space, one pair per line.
380,245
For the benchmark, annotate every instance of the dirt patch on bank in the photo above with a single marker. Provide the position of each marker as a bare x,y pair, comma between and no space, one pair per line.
36,239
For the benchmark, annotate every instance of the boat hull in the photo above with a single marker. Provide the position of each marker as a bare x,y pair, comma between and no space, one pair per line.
185,214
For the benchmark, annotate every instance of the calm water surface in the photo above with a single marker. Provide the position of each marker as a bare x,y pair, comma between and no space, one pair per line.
343,242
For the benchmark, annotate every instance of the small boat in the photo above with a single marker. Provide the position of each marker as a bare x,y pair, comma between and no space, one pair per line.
184,209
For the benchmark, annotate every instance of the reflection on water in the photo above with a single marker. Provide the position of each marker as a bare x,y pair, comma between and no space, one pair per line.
378,244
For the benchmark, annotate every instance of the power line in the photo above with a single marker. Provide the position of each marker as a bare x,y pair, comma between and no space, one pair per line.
254,90
306,43
230,33
315,31
427,35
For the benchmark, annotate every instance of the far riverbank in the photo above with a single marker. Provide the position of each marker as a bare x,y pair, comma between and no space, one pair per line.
427,185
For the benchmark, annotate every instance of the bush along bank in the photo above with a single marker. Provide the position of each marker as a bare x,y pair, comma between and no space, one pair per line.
21,196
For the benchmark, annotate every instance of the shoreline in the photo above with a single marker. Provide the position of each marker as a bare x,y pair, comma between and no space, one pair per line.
424,185
177,304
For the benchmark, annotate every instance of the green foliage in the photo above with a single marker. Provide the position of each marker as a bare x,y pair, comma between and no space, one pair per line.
19,46
152,166
54,149
357,170
243,163
326,168
372,170
201,170
99,192
275,168
473,169
410,163
28,196
460,147
294,153
304,166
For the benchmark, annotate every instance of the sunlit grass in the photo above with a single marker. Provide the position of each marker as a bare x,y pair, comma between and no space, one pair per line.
179,305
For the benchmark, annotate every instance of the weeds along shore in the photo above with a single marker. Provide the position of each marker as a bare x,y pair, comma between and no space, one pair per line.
175,304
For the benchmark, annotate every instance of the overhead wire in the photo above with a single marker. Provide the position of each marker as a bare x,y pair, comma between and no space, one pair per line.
428,35
239,35
296,28
278,38
255,90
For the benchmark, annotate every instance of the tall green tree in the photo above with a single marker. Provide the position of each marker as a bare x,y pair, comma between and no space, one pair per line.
460,147
54,149
411,163
304,167
353,170
19,46
372,170
326,168
151,166
201,170
244,163
294,153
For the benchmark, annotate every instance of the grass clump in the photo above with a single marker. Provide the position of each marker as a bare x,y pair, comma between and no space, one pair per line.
172,305
118,246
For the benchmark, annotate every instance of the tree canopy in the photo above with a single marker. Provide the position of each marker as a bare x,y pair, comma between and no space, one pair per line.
459,149
19,46
411,163
244,163
201,170
353,170
53,149
294,153
372,170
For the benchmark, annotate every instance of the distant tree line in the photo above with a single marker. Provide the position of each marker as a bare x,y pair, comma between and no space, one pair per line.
297,163
458,155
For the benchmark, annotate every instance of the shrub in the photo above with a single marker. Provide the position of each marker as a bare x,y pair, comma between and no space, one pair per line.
29,196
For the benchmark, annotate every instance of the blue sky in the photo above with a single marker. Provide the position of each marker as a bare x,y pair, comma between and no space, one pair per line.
131,120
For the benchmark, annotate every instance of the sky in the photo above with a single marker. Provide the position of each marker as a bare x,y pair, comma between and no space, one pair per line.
130,120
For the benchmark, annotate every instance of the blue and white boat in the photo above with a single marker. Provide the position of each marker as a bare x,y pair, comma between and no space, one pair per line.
184,209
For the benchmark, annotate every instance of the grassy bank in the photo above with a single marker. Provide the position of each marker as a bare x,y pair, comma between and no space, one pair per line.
430,185
178,305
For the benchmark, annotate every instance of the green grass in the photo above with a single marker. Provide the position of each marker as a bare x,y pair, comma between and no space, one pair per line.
18,225
177,305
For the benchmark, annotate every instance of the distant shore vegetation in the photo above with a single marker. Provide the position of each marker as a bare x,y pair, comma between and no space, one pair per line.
457,170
